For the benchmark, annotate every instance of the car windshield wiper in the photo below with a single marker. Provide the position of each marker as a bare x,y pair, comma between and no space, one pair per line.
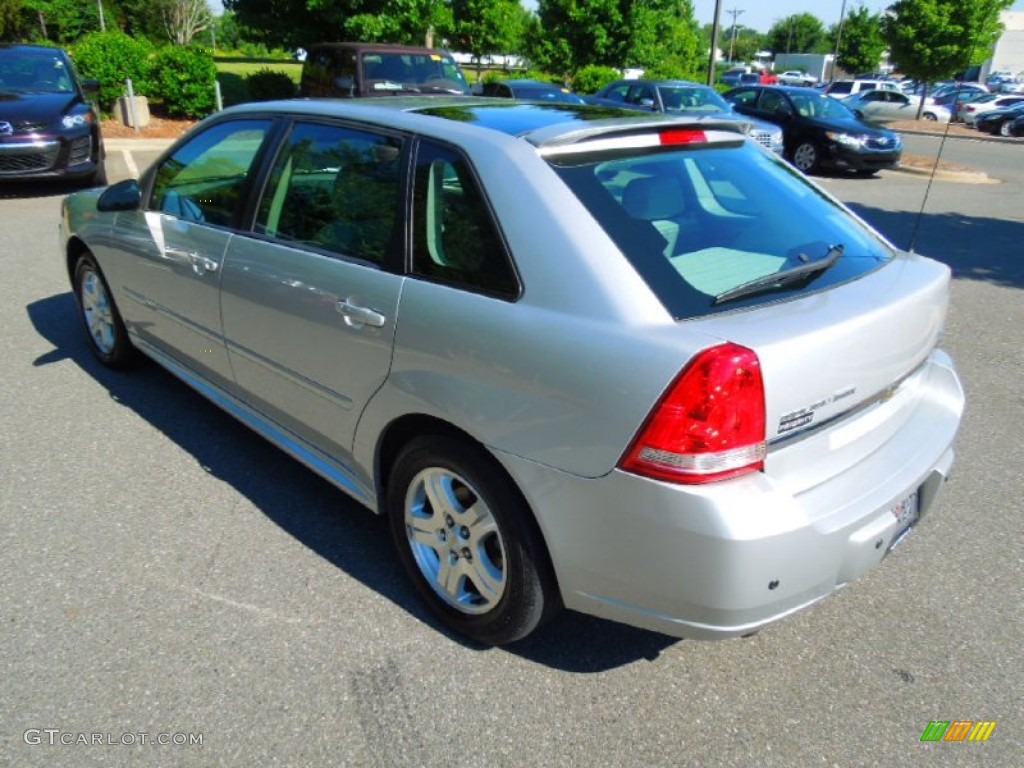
784,279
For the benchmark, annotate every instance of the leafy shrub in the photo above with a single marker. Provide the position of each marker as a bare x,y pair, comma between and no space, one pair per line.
184,81
268,84
112,57
593,78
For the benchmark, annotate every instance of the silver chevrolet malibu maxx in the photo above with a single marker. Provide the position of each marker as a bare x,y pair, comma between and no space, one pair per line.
579,357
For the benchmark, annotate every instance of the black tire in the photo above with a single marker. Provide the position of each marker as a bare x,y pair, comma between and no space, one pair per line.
108,337
865,173
930,116
806,157
477,559
97,178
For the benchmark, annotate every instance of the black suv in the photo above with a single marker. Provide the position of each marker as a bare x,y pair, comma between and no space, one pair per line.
48,127
341,70
819,131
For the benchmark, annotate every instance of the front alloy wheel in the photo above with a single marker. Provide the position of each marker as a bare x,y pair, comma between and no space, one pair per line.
805,157
107,335
1004,128
468,541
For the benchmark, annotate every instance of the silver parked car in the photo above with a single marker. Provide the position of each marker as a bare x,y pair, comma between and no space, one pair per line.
578,356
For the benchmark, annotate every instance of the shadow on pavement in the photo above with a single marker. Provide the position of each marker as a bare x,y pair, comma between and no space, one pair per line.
308,508
976,248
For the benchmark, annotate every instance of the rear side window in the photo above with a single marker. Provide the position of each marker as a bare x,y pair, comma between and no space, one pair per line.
338,189
697,223
455,240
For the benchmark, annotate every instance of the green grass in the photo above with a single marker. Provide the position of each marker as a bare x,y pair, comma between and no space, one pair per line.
231,74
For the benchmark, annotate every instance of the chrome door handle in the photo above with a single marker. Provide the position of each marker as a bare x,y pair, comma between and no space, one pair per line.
202,264
356,316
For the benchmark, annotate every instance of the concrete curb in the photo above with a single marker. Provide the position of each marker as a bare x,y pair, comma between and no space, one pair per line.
964,177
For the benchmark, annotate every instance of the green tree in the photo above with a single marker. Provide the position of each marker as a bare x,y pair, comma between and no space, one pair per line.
662,34
933,39
861,42
10,19
290,23
616,33
60,21
482,27
799,33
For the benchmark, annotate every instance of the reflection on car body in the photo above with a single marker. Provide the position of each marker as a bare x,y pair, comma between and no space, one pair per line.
639,386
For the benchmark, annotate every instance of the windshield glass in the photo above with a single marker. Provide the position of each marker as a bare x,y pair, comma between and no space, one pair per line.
701,221
678,98
31,72
818,105
416,72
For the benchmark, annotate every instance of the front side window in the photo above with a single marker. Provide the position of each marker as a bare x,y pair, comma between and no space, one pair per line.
338,189
455,240
204,179
745,98
700,222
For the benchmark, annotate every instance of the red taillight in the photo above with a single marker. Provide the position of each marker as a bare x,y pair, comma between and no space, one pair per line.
682,136
709,425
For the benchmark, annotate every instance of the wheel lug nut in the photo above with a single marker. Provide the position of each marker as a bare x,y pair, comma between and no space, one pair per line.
464,532
449,521
466,553
442,535
453,557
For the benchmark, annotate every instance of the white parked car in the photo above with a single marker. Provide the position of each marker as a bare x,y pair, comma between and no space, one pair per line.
887,106
796,77
971,111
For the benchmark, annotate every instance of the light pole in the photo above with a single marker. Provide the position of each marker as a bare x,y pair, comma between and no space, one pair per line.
714,42
734,12
839,37
103,26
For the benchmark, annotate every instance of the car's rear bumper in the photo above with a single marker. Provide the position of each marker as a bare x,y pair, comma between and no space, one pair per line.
728,558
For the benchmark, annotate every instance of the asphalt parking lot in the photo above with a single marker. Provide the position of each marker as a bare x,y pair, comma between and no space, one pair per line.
169,577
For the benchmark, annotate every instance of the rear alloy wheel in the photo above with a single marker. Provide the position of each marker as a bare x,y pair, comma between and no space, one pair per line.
467,540
1004,128
930,116
108,338
806,157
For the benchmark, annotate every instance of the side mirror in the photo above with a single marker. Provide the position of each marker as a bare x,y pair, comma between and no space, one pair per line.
647,103
123,196
90,85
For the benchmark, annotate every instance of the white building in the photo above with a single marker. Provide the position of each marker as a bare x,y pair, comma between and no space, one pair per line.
1008,54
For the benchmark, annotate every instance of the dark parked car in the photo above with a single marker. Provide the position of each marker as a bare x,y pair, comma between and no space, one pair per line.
1017,126
532,90
680,97
48,127
998,121
341,70
819,131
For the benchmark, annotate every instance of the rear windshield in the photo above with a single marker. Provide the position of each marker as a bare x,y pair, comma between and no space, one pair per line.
698,223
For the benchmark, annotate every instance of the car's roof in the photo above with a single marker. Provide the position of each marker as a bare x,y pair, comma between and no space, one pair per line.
539,123
533,84
378,47
30,48
792,89
661,83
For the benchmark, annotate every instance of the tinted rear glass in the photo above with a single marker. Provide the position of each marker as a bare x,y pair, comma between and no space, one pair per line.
698,223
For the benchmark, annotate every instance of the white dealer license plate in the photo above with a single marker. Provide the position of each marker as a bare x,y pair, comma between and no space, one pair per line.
906,512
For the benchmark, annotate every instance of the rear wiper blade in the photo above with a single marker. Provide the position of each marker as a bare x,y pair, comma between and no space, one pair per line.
784,279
